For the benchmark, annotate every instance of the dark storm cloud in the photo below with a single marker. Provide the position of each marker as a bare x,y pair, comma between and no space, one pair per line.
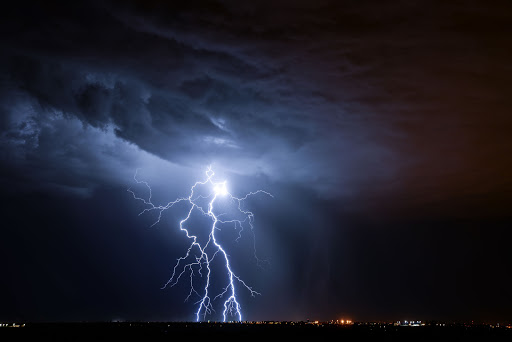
181,98
332,95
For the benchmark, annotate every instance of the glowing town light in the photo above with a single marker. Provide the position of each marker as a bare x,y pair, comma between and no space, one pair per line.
200,254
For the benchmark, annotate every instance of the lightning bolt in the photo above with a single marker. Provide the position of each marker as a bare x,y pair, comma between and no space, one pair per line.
200,255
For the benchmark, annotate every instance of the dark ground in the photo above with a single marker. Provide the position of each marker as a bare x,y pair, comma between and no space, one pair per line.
160,331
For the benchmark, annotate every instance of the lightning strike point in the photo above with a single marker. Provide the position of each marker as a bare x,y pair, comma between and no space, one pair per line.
221,189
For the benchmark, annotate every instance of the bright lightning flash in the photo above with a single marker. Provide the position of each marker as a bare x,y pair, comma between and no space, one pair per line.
200,254
221,189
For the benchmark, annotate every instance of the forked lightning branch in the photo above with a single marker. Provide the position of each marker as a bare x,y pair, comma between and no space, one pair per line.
197,260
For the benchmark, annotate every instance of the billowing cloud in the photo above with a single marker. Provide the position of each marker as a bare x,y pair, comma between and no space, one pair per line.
331,96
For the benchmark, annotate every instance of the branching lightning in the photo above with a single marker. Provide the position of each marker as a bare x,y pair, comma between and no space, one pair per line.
198,258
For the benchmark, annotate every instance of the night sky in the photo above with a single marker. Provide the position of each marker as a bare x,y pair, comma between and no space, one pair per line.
383,130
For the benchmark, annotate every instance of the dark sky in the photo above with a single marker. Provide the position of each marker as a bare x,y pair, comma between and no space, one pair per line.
383,130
